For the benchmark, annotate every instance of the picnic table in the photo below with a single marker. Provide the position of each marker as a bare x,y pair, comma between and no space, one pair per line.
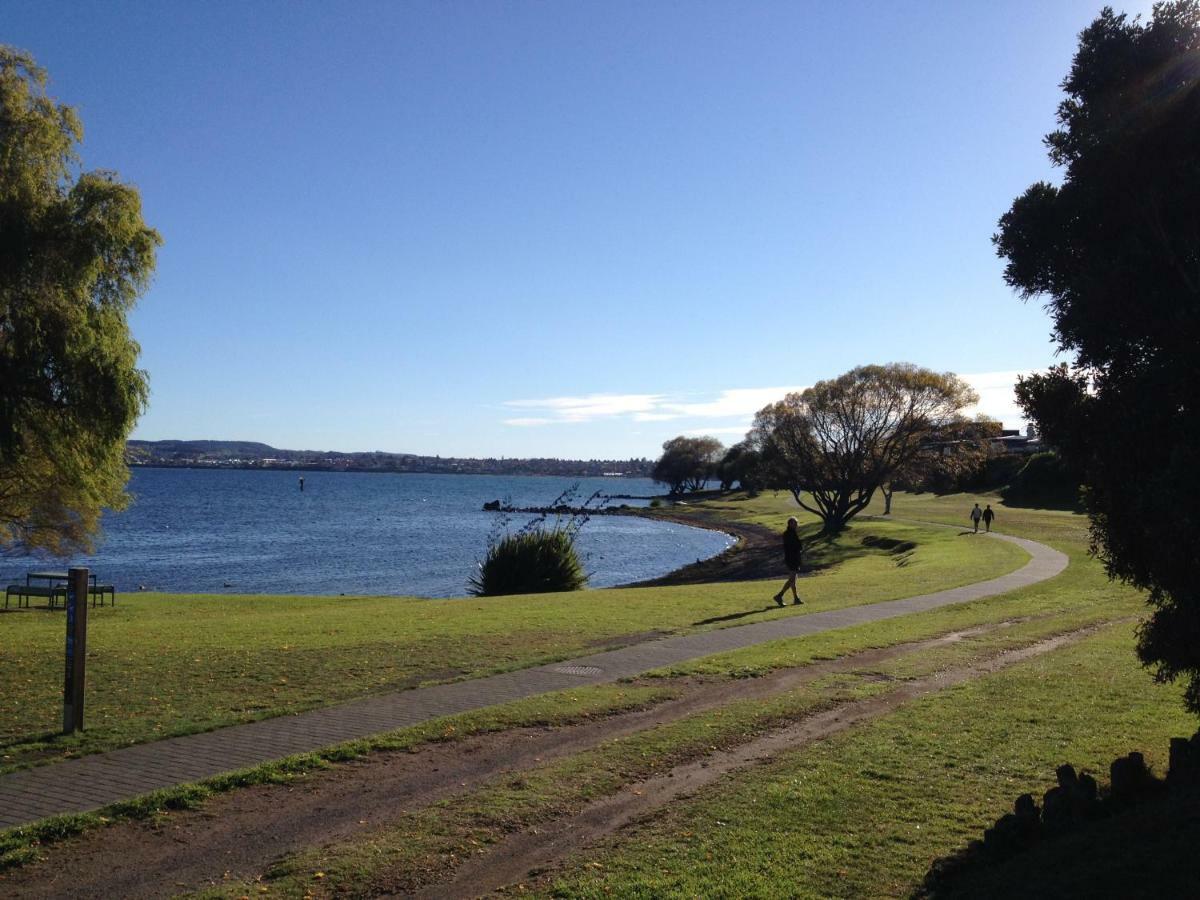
31,577
54,587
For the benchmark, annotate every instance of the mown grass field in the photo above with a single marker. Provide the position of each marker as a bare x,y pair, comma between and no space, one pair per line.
862,812
161,665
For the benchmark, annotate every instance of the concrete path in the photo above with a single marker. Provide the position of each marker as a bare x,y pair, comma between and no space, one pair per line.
94,781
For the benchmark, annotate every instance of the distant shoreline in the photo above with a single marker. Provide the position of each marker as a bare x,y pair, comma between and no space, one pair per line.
303,467
752,555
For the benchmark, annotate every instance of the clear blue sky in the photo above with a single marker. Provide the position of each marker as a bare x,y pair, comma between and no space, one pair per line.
571,229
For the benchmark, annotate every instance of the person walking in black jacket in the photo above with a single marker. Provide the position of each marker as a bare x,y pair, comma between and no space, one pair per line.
793,556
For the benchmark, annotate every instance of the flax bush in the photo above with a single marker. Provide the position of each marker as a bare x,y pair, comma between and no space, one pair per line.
541,557
537,561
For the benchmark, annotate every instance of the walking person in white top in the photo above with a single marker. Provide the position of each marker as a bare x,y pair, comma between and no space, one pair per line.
976,515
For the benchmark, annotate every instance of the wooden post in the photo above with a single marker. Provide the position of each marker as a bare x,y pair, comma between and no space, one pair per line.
78,582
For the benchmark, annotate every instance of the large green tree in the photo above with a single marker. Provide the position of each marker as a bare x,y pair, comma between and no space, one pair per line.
74,256
1115,250
834,445
739,465
687,462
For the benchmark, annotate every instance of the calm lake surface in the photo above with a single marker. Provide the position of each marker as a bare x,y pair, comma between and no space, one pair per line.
254,531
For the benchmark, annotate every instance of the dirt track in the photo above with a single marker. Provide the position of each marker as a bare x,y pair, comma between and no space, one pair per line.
242,833
536,852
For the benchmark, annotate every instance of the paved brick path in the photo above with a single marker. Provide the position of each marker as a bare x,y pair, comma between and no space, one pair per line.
94,781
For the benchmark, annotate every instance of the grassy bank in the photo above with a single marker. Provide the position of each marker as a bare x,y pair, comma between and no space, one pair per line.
861,812
163,665
864,813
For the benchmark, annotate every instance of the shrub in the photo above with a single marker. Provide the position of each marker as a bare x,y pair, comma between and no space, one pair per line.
1001,470
1044,480
536,561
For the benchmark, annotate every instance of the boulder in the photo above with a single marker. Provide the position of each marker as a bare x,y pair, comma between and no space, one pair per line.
1185,762
1025,807
1056,810
1128,778
1066,776
1085,799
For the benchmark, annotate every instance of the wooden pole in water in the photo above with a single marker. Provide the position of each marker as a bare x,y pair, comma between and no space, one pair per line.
78,582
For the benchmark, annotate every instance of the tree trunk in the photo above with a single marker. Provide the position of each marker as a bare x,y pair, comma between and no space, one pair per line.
887,500
838,515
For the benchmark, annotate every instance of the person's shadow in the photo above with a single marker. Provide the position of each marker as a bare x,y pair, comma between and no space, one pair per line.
738,615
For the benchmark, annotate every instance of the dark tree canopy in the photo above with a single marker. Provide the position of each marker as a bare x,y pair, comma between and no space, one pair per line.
687,462
950,457
842,440
739,466
74,256
1115,250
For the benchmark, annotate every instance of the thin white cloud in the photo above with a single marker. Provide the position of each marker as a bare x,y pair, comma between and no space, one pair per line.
997,396
739,430
732,402
590,406
727,404
724,412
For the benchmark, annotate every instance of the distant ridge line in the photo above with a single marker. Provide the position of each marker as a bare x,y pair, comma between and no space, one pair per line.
207,454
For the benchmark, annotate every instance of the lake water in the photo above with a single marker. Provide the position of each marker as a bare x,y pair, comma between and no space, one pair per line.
254,531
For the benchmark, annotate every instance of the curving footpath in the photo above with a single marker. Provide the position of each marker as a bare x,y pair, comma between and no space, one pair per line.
98,780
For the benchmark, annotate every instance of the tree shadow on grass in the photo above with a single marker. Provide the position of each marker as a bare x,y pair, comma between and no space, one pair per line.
34,748
1058,504
759,554
1145,852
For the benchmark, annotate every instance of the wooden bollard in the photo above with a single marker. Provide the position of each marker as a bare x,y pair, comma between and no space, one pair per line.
78,584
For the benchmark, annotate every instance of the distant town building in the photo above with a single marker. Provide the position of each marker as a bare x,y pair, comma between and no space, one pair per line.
1011,440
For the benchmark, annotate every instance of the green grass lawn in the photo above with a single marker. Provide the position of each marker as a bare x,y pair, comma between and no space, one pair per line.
163,665
930,777
861,813
864,813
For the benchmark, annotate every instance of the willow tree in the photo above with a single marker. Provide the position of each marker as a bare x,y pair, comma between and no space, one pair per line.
842,440
75,255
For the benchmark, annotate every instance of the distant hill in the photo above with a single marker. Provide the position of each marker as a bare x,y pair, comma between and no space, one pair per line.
225,449
256,455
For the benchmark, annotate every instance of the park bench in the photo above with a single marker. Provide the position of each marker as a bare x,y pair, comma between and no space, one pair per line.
24,591
97,592
55,592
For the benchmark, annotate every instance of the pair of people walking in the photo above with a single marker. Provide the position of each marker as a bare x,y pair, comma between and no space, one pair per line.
984,515
793,557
